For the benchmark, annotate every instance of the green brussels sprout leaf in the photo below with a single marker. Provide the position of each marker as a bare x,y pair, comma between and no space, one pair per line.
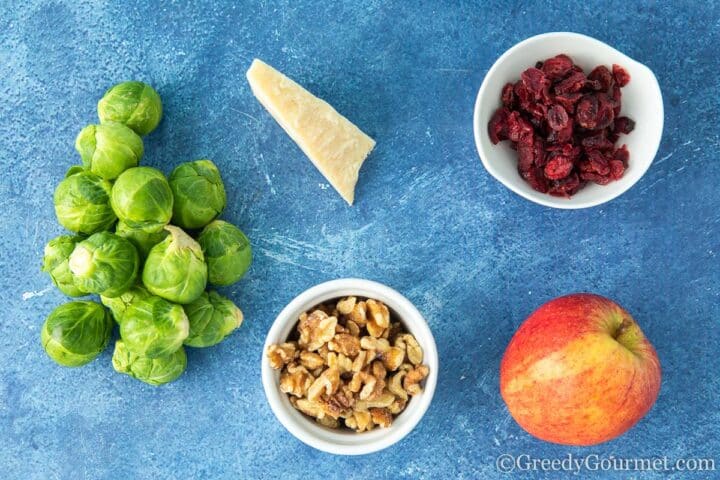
142,239
118,305
82,203
76,332
227,252
153,371
212,317
175,268
109,149
134,104
199,193
73,170
105,264
153,327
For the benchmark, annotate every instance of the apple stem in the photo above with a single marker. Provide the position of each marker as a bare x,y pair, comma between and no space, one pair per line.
622,328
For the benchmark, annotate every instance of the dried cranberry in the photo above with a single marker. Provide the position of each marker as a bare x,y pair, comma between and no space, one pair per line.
586,111
518,127
623,125
595,177
536,178
557,67
598,142
522,93
622,77
498,128
574,83
540,152
603,77
598,163
557,117
622,154
568,101
605,115
537,110
526,156
617,168
566,187
617,99
508,95
534,81
558,167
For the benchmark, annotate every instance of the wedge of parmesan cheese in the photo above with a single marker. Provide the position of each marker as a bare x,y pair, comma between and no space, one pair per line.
334,144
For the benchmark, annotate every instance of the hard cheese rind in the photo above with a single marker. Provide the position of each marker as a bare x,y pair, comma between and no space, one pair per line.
334,144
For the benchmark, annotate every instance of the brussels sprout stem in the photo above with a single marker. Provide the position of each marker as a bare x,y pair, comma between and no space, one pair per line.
80,261
181,239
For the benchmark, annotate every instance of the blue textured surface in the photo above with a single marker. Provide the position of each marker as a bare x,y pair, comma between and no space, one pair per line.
429,221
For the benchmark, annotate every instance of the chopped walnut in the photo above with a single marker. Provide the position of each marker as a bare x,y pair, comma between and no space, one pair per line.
358,314
393,358
295,380
378,370
327,383
412,349
339,361
379,313
395,385
384,400
397,406
328,421
317,329
381,416
376,344
307,407
362,360
352,328
311,360
346,305
411,382
281,355
346,344
352,366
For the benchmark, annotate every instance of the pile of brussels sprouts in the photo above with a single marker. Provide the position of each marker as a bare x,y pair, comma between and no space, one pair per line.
150,274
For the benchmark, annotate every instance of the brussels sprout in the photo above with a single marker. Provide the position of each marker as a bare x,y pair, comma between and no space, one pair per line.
153,327
82,202
141,198
154,371
55,263
175,268
212,317
76,332
199,193
227,252
118,305
134,104
109,149
142,239
105,264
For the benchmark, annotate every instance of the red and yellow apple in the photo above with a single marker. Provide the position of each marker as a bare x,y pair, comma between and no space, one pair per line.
579,371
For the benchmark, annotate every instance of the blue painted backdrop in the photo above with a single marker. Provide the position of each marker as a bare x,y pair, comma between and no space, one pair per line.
429,221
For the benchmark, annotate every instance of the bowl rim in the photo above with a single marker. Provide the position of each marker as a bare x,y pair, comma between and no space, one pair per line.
349,443
546,199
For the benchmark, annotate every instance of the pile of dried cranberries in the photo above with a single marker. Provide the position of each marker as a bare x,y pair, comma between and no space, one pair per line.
564,125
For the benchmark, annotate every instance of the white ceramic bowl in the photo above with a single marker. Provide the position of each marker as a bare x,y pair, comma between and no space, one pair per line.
641,101
346,442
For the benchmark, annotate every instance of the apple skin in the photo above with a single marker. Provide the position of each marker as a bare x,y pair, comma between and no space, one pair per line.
579,371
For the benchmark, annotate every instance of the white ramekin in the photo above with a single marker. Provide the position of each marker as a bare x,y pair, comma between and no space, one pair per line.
346,442
641,101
